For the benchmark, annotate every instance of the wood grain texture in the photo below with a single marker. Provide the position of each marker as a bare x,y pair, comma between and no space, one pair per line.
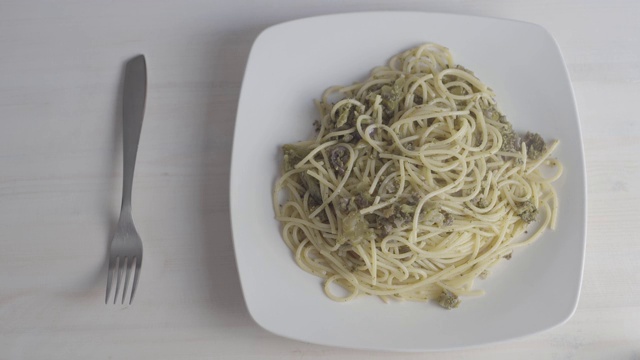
60,155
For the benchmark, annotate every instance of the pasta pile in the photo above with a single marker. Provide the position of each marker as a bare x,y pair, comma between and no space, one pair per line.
415,184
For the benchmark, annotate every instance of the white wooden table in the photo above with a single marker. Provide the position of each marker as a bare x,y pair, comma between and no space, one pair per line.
60,170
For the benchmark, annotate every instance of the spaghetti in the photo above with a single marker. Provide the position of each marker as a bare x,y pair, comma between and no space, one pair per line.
415,184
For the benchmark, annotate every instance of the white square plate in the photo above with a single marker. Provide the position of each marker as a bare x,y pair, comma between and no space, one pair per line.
290,65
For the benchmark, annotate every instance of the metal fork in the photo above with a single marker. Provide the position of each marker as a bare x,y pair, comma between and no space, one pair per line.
125,252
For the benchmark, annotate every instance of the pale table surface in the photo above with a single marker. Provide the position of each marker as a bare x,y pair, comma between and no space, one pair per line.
60,170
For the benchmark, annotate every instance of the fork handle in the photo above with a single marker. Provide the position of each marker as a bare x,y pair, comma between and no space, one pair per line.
133,103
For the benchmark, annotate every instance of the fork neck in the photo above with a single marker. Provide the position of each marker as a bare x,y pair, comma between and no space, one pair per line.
127,183
130,152
126,207
126,195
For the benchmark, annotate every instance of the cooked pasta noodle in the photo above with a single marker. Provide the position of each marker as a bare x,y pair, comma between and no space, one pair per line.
415,184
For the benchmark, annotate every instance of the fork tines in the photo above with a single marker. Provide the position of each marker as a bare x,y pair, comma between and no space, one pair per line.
117,265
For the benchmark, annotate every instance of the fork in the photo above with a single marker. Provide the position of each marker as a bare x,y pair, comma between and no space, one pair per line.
125,252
